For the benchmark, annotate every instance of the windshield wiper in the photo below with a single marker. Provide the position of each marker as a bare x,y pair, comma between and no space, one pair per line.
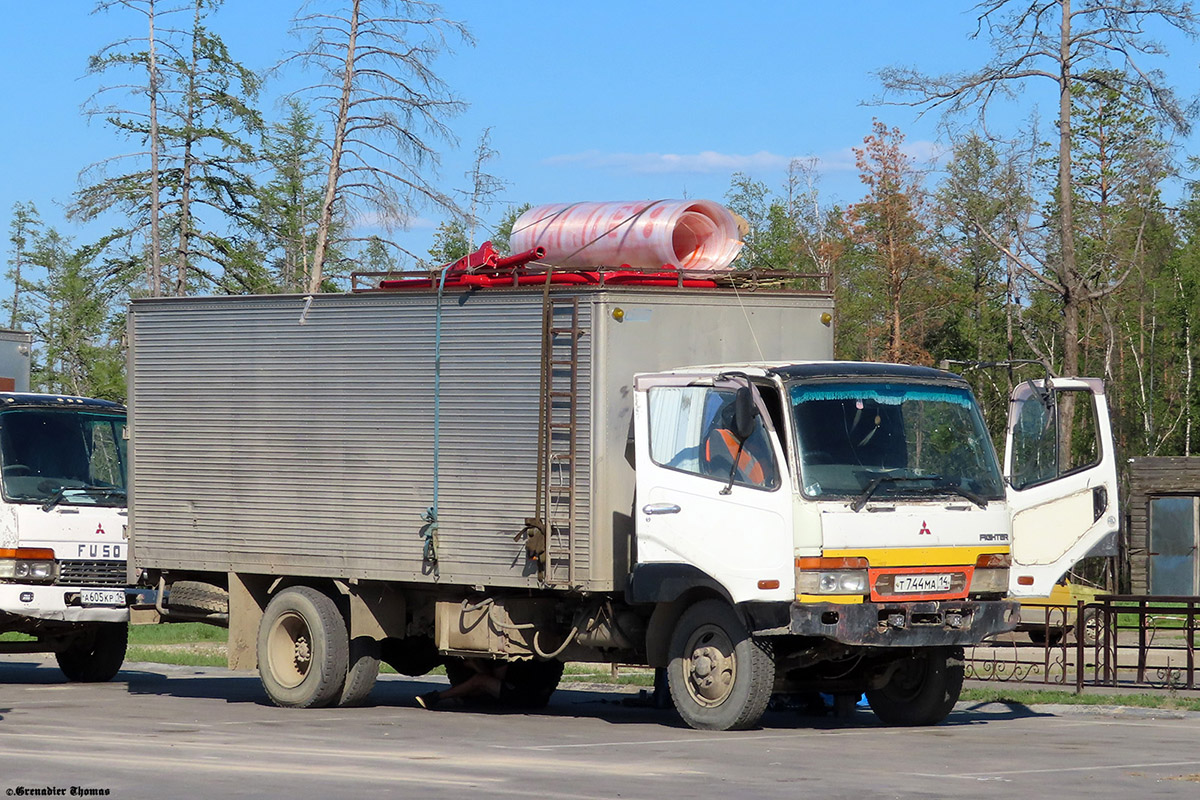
874,485
952,488
61,492
55,498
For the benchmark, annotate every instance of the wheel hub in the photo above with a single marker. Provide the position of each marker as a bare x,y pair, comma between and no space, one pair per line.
289,650
710,667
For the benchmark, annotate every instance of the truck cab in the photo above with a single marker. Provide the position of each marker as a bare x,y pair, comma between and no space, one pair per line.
856,514
62,531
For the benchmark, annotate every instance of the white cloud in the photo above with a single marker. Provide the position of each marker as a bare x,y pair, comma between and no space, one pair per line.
710,161
652,163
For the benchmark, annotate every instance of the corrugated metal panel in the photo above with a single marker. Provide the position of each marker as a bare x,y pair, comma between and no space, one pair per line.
264,445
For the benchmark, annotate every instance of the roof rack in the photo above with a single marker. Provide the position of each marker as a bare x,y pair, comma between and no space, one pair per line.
487,269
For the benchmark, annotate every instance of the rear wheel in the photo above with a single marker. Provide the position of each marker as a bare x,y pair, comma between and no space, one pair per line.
362,672
303,649
720,676
96,654
923,688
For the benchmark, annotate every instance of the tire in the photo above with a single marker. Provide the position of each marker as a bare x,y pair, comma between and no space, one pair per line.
303,649
198,597
719,675
96,654
362,672
1090,628
922,690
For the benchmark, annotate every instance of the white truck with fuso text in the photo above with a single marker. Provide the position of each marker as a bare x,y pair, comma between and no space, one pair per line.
62,523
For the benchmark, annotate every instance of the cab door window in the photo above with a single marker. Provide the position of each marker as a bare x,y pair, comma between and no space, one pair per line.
691,430
1054,434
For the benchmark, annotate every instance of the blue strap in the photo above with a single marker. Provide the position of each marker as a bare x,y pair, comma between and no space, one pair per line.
429,531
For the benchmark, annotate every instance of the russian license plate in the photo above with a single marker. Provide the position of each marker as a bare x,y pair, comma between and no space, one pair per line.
102,597
937,582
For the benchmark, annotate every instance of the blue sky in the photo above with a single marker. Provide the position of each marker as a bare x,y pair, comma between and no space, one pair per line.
586,101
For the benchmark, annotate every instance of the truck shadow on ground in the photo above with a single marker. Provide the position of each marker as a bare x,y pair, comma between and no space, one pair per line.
399,693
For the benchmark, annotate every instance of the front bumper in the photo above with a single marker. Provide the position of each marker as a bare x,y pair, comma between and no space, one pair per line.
56,603
913,624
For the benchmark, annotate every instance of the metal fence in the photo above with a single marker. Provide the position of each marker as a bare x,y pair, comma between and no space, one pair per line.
1115,641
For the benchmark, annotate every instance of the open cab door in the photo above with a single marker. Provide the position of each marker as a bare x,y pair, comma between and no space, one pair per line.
1061,470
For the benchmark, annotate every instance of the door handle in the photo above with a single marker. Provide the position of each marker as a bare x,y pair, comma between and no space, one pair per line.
660,508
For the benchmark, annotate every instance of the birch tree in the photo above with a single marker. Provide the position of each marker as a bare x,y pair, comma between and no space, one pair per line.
387,109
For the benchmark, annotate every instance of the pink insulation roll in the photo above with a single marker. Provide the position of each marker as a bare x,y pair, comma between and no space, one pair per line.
690,235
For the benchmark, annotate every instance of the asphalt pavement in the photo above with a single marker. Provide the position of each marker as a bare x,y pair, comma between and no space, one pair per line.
160,732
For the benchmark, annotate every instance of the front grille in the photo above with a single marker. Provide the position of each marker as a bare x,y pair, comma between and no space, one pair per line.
91,573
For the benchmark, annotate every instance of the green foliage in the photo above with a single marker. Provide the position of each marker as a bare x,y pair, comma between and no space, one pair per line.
24,226
77,350
504,228
450,243
289,201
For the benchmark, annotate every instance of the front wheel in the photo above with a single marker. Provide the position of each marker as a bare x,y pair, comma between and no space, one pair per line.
720,676
303,649
923,688
96,654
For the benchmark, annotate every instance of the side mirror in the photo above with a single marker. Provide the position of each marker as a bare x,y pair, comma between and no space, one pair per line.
745,414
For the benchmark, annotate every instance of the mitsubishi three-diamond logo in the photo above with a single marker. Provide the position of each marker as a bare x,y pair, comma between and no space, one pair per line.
924,530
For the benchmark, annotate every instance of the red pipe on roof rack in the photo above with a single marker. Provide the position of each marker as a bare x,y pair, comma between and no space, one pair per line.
520,259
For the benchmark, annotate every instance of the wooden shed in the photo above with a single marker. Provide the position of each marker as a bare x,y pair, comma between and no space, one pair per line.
1163,525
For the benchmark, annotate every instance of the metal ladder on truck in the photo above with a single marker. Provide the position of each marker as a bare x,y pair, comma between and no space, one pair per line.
558,438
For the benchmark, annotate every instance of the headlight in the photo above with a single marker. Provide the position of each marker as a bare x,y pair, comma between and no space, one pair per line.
991,574
831,576
27,564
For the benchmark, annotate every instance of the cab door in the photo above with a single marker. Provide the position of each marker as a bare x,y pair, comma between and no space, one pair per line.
1061,471
701,504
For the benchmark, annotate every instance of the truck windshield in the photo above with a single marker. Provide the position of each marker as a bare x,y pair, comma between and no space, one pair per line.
865,439
69,456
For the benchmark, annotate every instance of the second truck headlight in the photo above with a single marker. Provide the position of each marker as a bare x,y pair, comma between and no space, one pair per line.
27,564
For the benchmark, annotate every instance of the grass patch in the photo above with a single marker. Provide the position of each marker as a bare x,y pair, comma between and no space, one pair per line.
602,673
1031,697
181,657
176,633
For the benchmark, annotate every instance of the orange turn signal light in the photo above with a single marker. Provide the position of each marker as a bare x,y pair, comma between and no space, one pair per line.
994,561
768,584
1025,580
28,553
823,563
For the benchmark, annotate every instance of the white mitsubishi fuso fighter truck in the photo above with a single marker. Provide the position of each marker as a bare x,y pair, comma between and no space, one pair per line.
62,526
531,475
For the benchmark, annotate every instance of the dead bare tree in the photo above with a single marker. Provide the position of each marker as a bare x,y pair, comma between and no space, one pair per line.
484,186
386,105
